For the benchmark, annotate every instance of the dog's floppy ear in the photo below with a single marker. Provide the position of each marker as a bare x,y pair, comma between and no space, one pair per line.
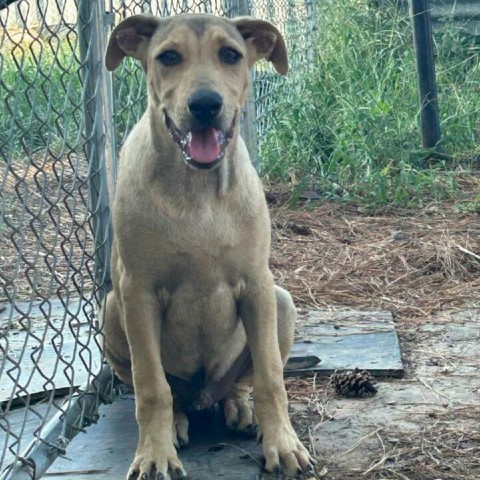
131,38
264,41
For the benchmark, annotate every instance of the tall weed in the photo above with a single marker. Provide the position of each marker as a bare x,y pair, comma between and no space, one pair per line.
350,125
42,98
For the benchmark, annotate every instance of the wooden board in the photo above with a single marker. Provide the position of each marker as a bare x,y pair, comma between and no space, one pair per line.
107,449
343,340
64,351
45,355
21,424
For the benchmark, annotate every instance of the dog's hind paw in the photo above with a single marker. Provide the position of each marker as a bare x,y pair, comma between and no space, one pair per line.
180,430
239,413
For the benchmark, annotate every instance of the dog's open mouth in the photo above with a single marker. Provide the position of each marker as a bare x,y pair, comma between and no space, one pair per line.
202,148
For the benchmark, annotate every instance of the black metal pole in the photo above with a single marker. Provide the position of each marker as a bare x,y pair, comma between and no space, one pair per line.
427,85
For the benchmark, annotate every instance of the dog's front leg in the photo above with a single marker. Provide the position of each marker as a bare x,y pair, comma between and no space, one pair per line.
281,446
156,457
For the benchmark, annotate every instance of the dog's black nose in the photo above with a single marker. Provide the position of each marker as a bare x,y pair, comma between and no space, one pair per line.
205,105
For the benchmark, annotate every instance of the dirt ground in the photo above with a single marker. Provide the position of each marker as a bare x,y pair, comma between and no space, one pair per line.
424,267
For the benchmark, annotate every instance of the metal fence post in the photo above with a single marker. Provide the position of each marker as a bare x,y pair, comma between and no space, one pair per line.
310,29
249,125
108,104
427,85
82,411
100,143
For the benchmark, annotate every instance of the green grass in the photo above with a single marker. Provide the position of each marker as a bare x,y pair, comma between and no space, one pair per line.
41,98
349,126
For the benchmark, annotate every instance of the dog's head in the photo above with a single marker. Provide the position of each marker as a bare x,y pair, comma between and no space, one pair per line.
197,68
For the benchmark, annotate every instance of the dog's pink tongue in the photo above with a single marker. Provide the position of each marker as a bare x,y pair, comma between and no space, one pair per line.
204,146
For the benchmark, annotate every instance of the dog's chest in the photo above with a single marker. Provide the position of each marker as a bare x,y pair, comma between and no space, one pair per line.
174,238
208,227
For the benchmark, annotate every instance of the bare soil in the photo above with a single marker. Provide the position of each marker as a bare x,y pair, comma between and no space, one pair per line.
424,266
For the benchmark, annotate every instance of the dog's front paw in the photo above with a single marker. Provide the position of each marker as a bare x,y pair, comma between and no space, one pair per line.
239,414
284,453
156,459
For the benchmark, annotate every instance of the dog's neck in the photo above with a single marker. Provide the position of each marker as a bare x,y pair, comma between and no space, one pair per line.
169,159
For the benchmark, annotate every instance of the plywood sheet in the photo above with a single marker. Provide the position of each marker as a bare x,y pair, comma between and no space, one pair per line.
346,339
38,356
341,339
107,449
44,356
20,426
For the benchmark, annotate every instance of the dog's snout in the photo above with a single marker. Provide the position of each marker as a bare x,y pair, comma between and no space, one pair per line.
205,105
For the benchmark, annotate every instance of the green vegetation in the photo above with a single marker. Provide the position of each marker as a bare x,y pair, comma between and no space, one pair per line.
346,125
41,98
349,126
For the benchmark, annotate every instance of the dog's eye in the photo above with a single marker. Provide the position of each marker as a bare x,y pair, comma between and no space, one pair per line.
229,55
170,58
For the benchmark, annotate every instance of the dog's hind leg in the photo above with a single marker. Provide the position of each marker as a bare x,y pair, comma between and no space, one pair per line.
180,424
238,407
286,318
115,345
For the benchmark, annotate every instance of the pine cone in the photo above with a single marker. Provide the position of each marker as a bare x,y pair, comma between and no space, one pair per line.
353,383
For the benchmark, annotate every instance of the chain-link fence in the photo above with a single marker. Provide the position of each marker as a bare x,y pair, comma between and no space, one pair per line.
61,121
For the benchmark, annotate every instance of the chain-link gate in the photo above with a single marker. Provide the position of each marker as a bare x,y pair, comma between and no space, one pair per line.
62,118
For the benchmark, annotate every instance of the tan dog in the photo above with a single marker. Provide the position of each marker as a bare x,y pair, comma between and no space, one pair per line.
192,286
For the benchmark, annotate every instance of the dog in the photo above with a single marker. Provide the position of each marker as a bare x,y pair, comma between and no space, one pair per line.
194,316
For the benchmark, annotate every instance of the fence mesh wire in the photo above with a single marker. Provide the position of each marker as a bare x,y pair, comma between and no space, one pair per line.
57,168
